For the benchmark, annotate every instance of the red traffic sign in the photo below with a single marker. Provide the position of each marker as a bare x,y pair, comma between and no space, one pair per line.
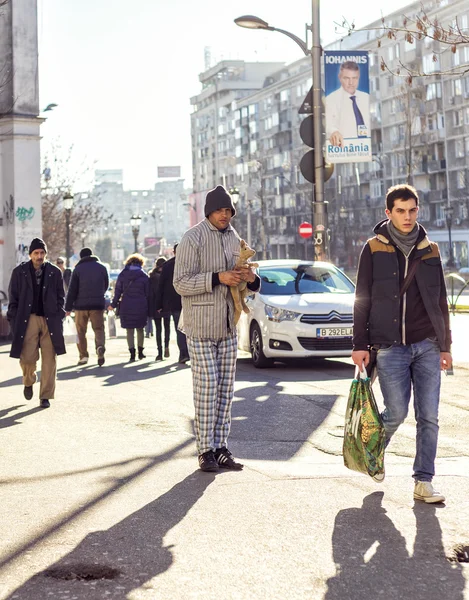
305,230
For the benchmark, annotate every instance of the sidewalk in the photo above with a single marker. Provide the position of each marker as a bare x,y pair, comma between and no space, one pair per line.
107,479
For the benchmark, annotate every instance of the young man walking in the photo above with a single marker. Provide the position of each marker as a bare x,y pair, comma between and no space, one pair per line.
36,313
89,283
204,270
401,312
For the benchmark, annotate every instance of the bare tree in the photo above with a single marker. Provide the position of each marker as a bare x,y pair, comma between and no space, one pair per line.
414,30
60,176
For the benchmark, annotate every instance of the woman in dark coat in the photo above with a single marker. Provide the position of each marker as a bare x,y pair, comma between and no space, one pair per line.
133,285
159,316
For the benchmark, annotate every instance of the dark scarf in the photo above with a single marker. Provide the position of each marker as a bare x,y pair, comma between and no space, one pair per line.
38,282
405,242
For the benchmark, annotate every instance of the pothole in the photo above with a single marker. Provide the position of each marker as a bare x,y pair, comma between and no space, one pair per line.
82,572
460,554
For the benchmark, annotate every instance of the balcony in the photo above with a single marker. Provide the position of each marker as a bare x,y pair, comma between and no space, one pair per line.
436,165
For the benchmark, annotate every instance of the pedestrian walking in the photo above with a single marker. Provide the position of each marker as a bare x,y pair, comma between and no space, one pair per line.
88,285
401,314
169,301
204,270
36,313
131,293
160,317
66,272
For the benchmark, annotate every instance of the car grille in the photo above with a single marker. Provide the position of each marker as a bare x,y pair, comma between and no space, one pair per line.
331,344
332,317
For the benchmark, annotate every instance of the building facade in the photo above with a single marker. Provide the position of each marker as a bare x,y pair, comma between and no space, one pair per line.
420,135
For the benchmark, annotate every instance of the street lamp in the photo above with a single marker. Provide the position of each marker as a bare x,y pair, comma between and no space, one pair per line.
135,221
449,210
319,206
84,233
67,200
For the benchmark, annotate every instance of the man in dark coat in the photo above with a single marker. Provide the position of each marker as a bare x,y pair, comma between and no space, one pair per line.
169,301
89,283
36,313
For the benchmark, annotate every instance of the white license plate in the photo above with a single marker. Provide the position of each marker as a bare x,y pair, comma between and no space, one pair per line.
328,332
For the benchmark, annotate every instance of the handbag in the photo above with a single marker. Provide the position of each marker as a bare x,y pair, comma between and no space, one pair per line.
118,305
364,435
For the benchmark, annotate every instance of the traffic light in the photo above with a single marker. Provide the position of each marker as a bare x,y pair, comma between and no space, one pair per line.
307,162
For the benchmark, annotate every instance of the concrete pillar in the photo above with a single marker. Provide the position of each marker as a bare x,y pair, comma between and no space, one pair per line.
20,190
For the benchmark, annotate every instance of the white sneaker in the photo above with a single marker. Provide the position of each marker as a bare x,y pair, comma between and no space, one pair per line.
83,361
424,491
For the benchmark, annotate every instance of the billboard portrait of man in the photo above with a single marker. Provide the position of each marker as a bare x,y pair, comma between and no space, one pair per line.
348,107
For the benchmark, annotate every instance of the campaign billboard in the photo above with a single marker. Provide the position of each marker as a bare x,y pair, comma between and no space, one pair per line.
347,99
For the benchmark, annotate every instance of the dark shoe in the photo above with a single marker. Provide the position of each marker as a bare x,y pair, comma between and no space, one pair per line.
183,360
158,358
207,461
140,353
166,352
44,403
100,351
132,354
28,392
225,460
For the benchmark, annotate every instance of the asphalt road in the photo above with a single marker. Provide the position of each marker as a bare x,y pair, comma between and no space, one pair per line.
105,483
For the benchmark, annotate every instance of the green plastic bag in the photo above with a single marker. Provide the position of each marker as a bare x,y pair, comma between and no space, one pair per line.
364,436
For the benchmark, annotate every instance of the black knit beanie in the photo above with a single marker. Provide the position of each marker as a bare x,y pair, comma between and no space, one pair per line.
37,244
85,252
218,198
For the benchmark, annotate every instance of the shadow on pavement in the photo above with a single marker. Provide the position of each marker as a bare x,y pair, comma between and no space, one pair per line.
269,425
301,369
135,547
372,560
13,420
116,373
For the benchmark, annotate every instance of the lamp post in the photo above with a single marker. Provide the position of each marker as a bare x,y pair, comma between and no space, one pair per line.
67,201
135,221
83,238
319,206
449,210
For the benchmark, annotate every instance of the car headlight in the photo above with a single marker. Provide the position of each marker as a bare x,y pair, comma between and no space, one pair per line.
279,314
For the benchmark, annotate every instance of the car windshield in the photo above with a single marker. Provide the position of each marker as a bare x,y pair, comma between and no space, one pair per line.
303,279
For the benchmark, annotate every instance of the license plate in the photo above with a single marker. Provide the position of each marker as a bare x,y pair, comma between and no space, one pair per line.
328,332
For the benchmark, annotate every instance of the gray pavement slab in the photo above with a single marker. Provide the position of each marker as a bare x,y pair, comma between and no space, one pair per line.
107,478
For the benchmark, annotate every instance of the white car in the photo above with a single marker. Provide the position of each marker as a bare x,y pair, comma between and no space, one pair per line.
303,309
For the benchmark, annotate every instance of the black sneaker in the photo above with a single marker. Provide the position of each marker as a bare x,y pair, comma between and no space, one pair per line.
100,352
207,461
159,357
225,460
44,403
28,392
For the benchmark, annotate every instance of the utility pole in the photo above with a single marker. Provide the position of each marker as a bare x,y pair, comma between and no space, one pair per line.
319,205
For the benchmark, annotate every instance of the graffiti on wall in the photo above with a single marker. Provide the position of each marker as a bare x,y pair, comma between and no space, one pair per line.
24,214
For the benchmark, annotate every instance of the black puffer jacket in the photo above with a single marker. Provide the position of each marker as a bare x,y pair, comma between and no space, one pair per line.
89,283
381,316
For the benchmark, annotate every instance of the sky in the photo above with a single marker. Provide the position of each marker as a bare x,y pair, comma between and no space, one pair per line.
122,72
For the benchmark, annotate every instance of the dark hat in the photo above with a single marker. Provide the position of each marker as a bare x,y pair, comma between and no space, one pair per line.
37,244
85,252
218,198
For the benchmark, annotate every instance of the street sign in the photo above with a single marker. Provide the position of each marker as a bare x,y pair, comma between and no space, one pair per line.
305,230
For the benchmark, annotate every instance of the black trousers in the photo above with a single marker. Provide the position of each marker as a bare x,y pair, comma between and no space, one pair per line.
159,321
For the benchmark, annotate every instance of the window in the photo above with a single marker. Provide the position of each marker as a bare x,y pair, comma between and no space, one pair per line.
429,64
433,91
457,118
455,58
285,96
459,148
397,51
456,87
253,146
252,109
461,180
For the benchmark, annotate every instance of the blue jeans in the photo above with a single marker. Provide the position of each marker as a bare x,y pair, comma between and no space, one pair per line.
416,366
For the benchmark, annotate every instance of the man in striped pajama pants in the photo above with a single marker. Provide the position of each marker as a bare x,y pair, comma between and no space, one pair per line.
204,271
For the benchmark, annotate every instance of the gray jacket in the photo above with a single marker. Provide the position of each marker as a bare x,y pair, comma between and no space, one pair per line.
208,313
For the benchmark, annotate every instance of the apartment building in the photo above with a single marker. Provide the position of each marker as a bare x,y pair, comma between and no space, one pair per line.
420,134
